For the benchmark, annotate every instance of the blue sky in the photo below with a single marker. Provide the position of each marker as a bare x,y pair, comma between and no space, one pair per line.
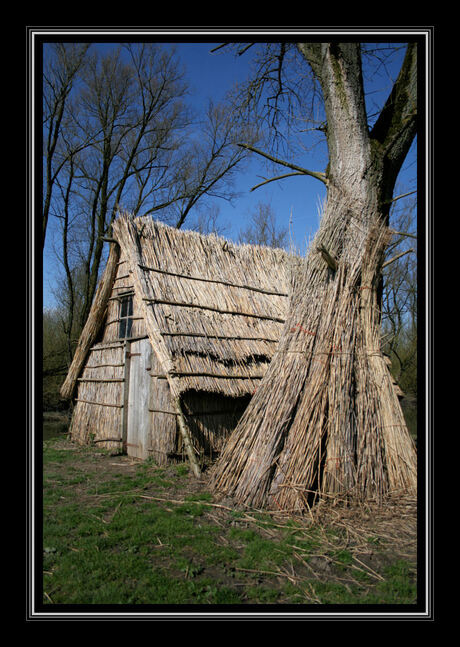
296,198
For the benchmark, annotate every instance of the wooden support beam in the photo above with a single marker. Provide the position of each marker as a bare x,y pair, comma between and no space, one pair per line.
124,415
212,308
201,279
330,260
186,438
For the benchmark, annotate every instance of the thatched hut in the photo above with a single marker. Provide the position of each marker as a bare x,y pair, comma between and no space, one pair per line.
181,331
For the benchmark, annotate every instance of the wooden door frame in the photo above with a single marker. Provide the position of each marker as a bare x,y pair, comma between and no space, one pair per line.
124,411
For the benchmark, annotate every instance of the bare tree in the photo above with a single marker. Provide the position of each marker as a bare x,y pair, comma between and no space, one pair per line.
134,111
399,299
127,139
326,417
263,230
208,221
207,166
60,72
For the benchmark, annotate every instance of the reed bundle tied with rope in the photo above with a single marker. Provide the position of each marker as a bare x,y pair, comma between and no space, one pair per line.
326,418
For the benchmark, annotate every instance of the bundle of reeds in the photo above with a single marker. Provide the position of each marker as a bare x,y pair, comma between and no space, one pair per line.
93,324
325,420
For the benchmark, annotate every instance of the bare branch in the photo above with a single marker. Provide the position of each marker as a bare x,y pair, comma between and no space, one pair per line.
404,233
245,49
398,197
273,179
303,171
395,258
396,126
218,47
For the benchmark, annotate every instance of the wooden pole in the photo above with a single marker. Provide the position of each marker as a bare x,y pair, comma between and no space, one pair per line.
186,438
124,413
219,281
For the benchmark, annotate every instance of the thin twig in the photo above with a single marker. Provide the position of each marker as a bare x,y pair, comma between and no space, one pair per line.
398,197
395,258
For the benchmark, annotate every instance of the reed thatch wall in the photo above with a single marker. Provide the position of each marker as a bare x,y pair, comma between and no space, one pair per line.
326,419
99,402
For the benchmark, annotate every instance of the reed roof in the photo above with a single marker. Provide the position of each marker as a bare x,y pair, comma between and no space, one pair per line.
213,309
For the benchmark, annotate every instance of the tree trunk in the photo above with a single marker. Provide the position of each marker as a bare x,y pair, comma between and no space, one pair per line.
326,418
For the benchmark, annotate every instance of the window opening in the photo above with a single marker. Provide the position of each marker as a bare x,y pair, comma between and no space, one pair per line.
125,316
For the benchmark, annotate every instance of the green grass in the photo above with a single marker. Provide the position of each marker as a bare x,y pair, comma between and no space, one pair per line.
140,536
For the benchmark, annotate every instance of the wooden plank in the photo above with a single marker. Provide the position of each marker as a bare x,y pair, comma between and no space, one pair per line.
124,417
253,288
238,313
138,432
102,404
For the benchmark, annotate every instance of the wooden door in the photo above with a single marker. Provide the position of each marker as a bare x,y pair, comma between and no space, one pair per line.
138,415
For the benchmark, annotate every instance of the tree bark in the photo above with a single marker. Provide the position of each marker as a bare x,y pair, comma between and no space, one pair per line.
326,418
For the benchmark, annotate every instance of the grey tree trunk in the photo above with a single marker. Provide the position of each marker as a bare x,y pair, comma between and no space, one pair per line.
326,418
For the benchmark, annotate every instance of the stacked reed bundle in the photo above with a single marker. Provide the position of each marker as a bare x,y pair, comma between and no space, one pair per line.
93,324
326,419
